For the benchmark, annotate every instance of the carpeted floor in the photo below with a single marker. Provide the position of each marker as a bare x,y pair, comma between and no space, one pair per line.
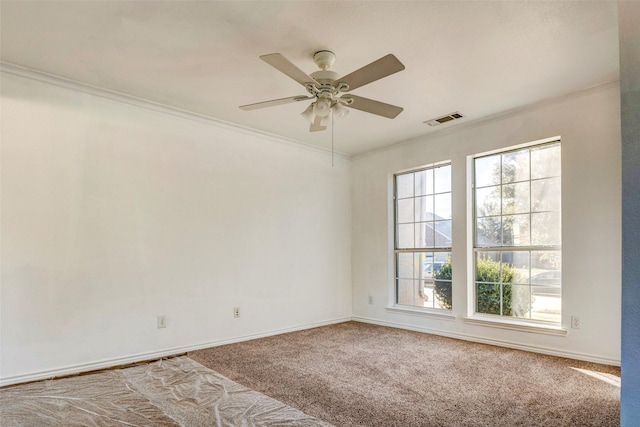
355,374
175,392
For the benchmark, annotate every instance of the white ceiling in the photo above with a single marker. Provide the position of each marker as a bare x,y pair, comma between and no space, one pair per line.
479,58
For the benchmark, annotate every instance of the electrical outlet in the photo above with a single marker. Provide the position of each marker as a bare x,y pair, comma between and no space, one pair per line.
162,322
236,312
575,322
370,299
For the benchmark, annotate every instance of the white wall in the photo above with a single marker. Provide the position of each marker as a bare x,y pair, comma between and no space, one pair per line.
589,125
113,214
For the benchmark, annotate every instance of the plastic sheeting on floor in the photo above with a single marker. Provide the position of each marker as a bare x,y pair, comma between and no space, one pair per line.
169,392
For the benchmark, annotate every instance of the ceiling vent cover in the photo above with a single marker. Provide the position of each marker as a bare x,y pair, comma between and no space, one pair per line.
444,119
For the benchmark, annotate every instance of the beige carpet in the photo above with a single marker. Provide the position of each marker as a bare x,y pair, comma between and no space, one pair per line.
355,374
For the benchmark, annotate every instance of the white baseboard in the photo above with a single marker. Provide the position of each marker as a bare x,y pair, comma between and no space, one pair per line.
141,357
152,355
500,343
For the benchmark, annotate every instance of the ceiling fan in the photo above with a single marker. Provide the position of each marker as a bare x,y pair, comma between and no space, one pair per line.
325,88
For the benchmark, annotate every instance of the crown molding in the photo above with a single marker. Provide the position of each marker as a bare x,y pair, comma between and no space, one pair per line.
146,104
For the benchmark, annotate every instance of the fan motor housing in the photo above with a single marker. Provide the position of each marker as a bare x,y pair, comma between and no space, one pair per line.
325,76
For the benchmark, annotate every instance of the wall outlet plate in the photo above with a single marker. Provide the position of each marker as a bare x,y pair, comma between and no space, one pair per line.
162,322
575,322
236,312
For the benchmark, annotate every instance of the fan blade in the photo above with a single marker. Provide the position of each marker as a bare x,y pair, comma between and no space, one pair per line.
373,107
316,125
282,64
274,102
383,67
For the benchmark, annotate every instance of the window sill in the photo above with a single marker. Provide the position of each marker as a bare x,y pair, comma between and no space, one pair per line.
424,312
515,325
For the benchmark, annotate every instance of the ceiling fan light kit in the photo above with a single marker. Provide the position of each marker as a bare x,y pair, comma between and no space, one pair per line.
325,88
322,107
339,111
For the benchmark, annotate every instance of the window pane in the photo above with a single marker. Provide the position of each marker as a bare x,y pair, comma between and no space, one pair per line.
426,263
405,211
442,280
405,266
515,198
545,161
406,292
487,171
545,228
443,234
545,195
442,294
424,208
521,266
516,300
441,259
424,182
426,297
424,235
546,285
544,261
430,181
488,231
488,201
442,179
443,206
507,272
507,231
405,236
522,197
488,298
515,166
546,303
404,185
515,230
420,183
488,267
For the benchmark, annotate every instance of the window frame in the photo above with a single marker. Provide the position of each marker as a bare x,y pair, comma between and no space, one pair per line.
396,306
499,320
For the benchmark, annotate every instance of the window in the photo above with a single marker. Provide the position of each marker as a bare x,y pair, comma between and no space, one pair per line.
517,233
423,237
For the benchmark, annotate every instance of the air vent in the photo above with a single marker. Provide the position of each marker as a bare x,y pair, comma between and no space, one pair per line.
444,119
